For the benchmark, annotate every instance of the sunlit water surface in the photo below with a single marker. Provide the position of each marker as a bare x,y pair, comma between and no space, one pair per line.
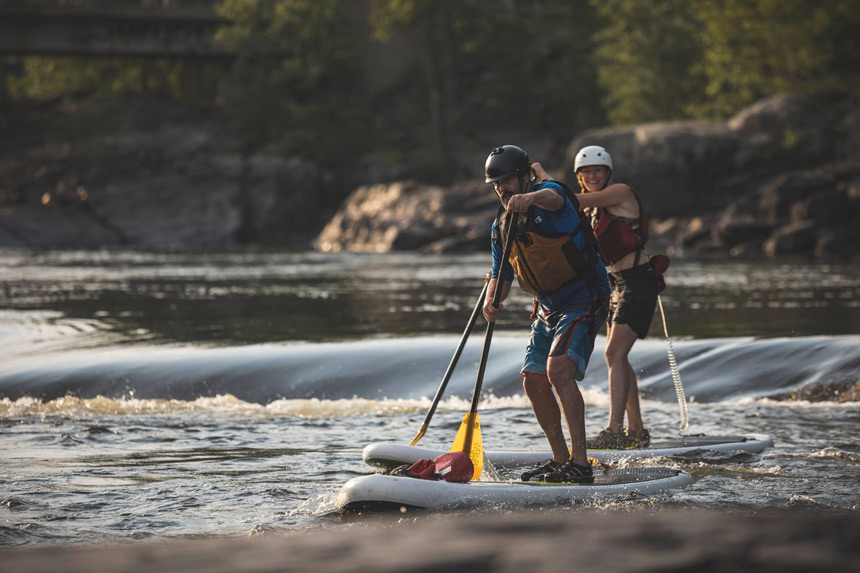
162,395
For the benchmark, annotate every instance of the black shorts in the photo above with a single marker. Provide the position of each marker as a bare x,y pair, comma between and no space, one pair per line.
633,298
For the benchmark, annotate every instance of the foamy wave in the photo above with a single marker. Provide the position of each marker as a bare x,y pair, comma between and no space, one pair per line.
837,453
772,471
73,407
802,500
770,402
222,404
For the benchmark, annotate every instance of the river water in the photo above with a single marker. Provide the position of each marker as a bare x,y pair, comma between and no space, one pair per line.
171,395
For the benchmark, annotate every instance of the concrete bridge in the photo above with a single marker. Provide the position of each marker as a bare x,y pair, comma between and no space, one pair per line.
118,28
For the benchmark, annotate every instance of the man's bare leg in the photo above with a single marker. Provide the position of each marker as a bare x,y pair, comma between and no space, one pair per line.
546,409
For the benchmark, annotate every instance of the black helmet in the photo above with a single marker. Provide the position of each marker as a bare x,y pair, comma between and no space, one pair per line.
505,161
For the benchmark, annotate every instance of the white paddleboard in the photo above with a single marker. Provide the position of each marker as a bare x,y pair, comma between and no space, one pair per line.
386,455
382,491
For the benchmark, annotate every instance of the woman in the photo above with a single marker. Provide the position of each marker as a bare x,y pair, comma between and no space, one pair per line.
621,227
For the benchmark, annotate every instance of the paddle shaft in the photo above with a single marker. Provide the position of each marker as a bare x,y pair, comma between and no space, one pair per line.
453,364
497,298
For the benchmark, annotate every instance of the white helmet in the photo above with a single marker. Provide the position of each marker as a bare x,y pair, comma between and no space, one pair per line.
592,155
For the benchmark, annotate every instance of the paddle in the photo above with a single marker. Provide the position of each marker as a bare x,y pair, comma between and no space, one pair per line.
453,364
468,439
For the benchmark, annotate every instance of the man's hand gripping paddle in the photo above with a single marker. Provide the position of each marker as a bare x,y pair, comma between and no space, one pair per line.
468,439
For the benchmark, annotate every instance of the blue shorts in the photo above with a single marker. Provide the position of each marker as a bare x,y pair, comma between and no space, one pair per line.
569,332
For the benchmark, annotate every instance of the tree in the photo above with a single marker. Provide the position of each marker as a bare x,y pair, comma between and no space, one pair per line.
46,78
296,84
755,48
491,68
647,59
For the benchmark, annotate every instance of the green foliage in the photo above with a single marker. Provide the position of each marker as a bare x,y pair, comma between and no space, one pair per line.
646,56
755,48
46,78
668,59
296,85
477,71
389,15
490,68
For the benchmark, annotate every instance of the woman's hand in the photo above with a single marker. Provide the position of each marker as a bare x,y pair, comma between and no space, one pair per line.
540,172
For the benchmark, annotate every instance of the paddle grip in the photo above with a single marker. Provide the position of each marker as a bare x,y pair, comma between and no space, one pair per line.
509,243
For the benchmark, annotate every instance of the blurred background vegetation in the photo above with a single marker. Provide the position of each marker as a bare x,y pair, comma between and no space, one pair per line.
412,81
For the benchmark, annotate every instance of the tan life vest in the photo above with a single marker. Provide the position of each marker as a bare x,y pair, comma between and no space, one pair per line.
543,263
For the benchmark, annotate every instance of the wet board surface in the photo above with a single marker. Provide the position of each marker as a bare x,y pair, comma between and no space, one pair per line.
381,492
387,455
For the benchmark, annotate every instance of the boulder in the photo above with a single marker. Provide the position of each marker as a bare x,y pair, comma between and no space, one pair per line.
840,242
282,200
830,206
407,215
814,211
696,230
673,165
782,129
777,197
736,226
170,188
796,238
156,189
163,211
52,226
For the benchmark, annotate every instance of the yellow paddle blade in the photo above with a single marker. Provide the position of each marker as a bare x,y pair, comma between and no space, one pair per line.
420,434
474,448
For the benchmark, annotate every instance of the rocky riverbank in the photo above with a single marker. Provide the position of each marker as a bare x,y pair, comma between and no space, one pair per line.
546,540
176,187
782,177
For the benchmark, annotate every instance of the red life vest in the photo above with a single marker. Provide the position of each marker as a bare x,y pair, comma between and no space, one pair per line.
620,236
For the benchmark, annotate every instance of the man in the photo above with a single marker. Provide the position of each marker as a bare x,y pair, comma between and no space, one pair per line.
555,259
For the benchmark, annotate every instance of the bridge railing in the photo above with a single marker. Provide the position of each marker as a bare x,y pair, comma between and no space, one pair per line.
157,28
188,10
112,5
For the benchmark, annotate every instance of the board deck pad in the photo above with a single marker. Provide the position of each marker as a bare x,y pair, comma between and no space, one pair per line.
387,455
608,477
692,441
631,475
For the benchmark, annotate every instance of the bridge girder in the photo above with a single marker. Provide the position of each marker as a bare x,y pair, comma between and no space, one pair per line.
124,28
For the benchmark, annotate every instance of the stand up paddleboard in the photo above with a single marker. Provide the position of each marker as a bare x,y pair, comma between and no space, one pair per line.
381,492
389,456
